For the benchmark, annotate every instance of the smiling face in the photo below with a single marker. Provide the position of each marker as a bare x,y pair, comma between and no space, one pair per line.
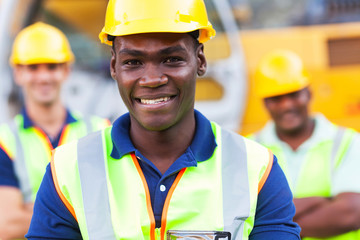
41,83
289,111
156,75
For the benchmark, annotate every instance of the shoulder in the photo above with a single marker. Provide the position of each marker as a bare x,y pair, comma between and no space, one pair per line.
275,209
7,136
259,158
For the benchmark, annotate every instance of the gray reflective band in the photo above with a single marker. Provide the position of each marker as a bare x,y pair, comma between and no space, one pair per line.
336,145
94,187
235,181
88,125
257,137
20,165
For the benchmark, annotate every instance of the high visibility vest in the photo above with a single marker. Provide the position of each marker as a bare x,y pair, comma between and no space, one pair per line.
110,199
30,149
316,175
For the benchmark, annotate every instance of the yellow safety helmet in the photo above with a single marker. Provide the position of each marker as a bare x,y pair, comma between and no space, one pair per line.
125,17
280,72
41,43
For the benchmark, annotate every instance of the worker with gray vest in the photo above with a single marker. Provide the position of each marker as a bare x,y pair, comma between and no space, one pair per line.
163,170
41,58
320,159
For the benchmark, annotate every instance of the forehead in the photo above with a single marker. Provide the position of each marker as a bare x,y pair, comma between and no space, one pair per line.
153,41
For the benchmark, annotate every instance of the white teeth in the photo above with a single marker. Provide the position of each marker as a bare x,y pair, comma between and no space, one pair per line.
154,101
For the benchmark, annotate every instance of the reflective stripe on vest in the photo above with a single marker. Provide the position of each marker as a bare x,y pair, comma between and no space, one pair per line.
20,165
238,170
340,145
30,149
95,194
94,187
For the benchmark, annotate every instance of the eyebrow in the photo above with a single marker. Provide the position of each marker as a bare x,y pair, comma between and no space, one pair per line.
164,51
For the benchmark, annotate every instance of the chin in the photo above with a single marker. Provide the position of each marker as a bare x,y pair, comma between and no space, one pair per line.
159,123
46,103
292,130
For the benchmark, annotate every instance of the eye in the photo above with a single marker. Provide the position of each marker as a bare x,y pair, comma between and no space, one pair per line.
52,66
274,99
32,67
172,60
294,94
132,62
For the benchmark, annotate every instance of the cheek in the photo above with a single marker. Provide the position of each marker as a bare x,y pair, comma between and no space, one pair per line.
303,102
271,107
59,76
125,87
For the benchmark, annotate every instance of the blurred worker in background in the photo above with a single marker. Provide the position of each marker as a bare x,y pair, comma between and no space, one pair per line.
162,166
41,58
321,160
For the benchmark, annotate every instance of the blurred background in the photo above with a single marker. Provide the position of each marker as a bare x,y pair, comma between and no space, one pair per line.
325,33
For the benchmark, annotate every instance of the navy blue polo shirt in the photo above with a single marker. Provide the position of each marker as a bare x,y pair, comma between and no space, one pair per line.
52,220
7,172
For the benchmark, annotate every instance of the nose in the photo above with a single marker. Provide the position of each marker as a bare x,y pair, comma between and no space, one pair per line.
286,102
43,73
153,77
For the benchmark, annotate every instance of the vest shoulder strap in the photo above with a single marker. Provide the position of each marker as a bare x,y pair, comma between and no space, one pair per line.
341,144
93,179
19,163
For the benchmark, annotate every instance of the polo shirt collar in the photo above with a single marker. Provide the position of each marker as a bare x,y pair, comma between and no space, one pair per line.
324,131
202,145
29,123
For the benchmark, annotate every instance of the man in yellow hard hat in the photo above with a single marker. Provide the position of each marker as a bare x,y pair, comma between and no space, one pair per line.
41,58
320,159
163,170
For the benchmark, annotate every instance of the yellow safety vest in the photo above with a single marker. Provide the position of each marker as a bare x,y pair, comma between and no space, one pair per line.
30,148
110,198
316,179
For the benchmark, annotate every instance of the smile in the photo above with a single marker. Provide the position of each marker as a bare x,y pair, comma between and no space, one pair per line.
154,101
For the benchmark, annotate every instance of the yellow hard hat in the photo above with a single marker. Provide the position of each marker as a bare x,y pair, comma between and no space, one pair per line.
125,17
40,43
280,72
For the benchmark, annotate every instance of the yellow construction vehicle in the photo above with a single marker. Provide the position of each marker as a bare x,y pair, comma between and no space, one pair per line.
326,34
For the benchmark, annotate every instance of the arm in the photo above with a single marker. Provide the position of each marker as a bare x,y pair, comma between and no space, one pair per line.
335,216
341,213
275,209
15,214
51,219
305,205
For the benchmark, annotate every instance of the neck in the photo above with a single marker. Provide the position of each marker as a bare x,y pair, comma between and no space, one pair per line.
50,118
163,147
295,138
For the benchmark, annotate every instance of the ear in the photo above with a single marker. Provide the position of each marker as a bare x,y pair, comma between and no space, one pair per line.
266,103
308,90
17,72
67,70
113,64
201,60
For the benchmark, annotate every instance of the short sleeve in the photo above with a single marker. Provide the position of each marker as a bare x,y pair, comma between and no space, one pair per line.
275,209
346,176
7,171
51,219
